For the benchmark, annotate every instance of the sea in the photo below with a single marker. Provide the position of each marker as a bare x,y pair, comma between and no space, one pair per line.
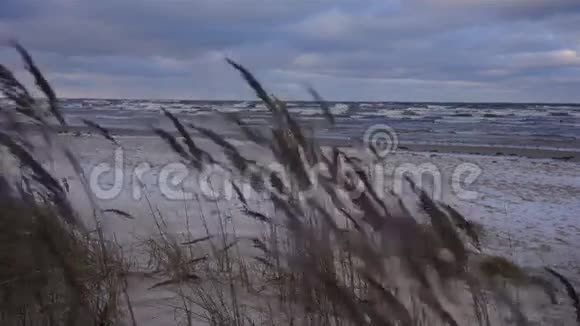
525,125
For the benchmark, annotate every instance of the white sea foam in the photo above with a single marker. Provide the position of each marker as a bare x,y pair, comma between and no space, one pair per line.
241,105
305,111
437,107
339,109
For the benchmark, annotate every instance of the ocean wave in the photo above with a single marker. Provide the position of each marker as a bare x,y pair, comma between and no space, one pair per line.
305,111
339,109
463,114
559,114
437,107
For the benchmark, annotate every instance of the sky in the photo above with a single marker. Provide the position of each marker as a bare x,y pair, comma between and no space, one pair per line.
358,50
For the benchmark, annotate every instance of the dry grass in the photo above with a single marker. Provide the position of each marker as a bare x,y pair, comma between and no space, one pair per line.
324,259
51,274
333,260
53,271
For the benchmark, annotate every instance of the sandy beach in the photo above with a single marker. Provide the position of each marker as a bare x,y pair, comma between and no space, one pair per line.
525,200
527,205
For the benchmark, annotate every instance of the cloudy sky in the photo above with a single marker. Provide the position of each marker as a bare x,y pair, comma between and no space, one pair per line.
406,50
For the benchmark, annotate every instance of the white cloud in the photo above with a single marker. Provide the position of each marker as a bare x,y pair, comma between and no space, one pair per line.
333,24
565,57
306,60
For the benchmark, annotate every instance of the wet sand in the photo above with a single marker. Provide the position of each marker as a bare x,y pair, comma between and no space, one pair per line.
538,153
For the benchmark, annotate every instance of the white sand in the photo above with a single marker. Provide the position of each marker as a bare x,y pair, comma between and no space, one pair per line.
528,206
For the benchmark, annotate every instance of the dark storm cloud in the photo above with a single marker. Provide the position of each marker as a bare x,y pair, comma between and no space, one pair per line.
494,50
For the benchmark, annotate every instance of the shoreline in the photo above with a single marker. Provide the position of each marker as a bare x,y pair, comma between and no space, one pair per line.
569,153
559,154
501,151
